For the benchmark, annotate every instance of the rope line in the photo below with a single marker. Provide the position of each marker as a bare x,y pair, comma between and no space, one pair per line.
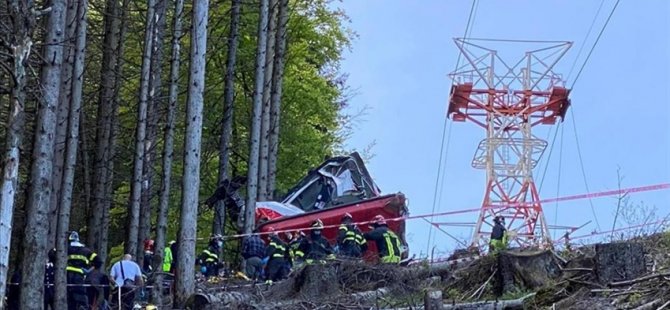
444,129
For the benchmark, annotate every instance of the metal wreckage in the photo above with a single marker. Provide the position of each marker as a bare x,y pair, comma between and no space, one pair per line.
338,186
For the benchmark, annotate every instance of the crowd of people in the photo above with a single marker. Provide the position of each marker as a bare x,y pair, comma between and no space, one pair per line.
89,287
274,261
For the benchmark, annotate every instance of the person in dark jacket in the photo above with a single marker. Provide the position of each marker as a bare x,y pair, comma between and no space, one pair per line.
49,280
253,251
316,247
209,259
350,240
388,243
147,263
277,252
99,291
498,235
80,262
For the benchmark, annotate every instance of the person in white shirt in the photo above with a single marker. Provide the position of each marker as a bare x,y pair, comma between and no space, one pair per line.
127,275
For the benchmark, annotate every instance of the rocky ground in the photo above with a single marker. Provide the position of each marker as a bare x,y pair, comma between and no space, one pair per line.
634,274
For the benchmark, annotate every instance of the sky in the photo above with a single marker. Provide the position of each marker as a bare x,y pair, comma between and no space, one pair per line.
398,66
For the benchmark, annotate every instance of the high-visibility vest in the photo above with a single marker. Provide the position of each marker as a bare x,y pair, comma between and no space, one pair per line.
167,260
393,246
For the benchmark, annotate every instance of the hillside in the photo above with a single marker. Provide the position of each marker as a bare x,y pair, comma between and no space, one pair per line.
633,274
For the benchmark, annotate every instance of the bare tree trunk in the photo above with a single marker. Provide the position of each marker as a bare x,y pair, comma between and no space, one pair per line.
106,96
85,170
228,109
70,155
23,22
114,124
275,98
265,118
140,135
62,117
168,144
185,285
39,196
152,124
252,173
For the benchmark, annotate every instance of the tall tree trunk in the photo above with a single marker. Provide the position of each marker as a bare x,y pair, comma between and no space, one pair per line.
23,22
252,174
152,123
106,96
62,116
84,150
168,144
185,285
265,118
228,108
114,124
70,154
275,98
39,196
140,135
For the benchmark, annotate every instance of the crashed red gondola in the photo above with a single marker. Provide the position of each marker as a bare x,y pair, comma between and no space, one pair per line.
338,186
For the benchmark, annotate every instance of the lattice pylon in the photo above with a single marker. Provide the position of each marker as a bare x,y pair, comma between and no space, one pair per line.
507,101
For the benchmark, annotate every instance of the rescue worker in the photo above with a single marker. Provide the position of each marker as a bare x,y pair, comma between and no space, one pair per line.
316,248
147,263
167,257
80,261
350,240
297,255
277,252
209,259
498,235
388,243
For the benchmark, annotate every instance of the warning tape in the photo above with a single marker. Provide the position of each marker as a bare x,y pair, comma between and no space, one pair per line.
90,285
661,222
623,191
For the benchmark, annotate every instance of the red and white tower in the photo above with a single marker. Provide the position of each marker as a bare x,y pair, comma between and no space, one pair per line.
508,99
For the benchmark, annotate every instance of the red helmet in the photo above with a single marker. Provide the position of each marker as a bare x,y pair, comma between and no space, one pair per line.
149,245
379,220
347,216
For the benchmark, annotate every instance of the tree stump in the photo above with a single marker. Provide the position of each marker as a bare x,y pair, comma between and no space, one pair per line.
525,271
433,300
619,261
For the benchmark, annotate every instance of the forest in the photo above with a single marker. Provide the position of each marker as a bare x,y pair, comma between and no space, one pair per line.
119,118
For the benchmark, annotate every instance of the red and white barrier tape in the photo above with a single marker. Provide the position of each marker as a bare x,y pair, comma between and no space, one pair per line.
647,188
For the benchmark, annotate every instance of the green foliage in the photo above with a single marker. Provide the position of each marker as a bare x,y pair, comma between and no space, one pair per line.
312,99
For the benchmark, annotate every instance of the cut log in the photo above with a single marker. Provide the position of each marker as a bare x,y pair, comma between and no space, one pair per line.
482,305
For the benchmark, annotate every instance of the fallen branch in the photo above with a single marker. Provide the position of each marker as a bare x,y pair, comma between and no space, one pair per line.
664,306
370,295
628,293
578,269
650,305
483,305
608,290
483,287
638,280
